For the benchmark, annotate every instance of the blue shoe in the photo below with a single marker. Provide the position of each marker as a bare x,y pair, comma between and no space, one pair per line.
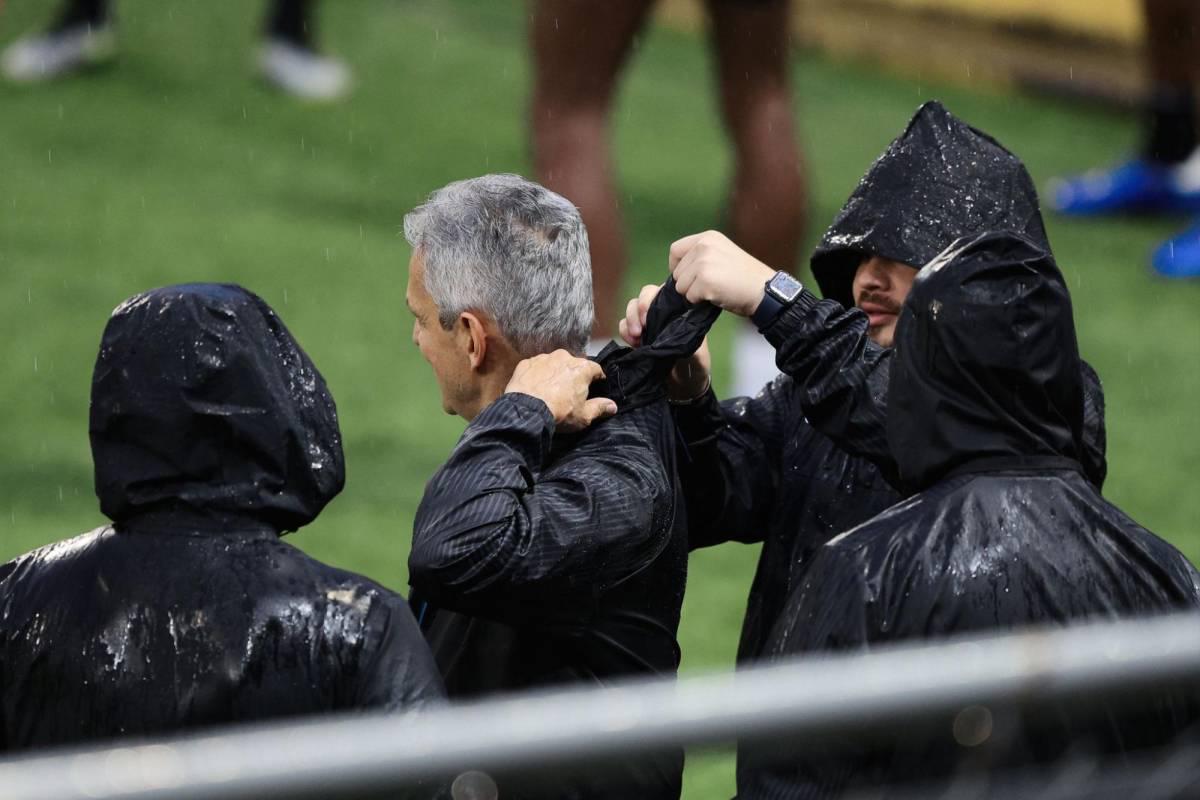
1135,186
1179,256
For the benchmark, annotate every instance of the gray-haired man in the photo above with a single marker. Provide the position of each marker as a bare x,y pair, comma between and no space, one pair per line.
546,550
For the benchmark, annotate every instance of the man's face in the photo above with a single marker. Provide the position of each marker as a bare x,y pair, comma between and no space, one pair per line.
880,286
440,347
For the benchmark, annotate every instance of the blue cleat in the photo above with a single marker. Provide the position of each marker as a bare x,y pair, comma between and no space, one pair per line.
1179,256
1136,185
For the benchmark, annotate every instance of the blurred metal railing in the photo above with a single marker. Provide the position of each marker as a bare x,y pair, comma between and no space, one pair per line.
815,697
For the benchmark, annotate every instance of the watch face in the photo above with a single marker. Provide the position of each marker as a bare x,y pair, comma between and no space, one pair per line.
785,287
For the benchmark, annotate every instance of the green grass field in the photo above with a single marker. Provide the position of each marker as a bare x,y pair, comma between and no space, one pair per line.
176,165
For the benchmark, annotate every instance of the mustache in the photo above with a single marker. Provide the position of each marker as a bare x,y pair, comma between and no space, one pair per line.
881,300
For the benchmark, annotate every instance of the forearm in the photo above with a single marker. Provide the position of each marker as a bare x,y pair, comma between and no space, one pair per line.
504,533
471,521
728,473
841,376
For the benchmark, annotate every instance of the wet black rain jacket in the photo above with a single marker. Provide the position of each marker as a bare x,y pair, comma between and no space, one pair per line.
542,558
938,181
792,467
986,420
212,433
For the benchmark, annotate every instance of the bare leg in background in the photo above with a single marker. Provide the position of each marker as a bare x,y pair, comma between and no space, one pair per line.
579,49
768,200
768,204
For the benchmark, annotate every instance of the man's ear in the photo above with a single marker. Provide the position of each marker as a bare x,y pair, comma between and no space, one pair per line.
473,336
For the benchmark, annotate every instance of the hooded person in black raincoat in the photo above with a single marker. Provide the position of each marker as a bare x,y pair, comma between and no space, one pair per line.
790,467
545,553
212,435
986,423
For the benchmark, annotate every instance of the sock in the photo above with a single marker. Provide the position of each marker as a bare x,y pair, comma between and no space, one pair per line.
291,20
1170,127
82,12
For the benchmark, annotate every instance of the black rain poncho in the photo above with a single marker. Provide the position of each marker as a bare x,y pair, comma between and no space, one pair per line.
940,180
212,433
542,558
986,423
766,468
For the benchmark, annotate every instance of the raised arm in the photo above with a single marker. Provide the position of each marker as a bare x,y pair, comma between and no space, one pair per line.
729,463
840,375
504,534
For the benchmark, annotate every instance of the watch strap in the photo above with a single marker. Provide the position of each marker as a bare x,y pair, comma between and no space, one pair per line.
768,310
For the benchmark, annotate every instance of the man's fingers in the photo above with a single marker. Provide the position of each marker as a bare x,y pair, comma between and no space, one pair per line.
623,332
587,413
598,408
684,274
592,370
646,297
644,300
680,248
633,318
689,280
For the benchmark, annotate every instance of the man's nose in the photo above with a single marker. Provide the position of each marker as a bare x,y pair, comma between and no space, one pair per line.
414,334
875,274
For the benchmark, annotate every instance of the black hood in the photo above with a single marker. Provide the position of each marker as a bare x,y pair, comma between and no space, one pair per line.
204,404
986,368
938,181
674,329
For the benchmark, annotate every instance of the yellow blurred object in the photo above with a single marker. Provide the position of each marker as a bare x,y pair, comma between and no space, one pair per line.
1083,48
1106,19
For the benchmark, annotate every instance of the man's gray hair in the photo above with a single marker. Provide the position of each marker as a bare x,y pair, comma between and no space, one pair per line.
512,249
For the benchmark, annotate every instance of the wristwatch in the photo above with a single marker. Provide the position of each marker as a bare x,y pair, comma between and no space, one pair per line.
780,292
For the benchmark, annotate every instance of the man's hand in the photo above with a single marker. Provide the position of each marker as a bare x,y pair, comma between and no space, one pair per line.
561,381
707,266
690,377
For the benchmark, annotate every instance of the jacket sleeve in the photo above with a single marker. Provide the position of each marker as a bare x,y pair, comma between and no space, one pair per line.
842,383
829,615
841,376
729,466
6,570
501,535
1095,435
400,673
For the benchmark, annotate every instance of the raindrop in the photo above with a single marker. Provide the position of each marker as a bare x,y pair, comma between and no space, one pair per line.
972,726
474,786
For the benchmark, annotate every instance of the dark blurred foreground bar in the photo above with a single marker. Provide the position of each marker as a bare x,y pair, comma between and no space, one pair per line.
815,698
